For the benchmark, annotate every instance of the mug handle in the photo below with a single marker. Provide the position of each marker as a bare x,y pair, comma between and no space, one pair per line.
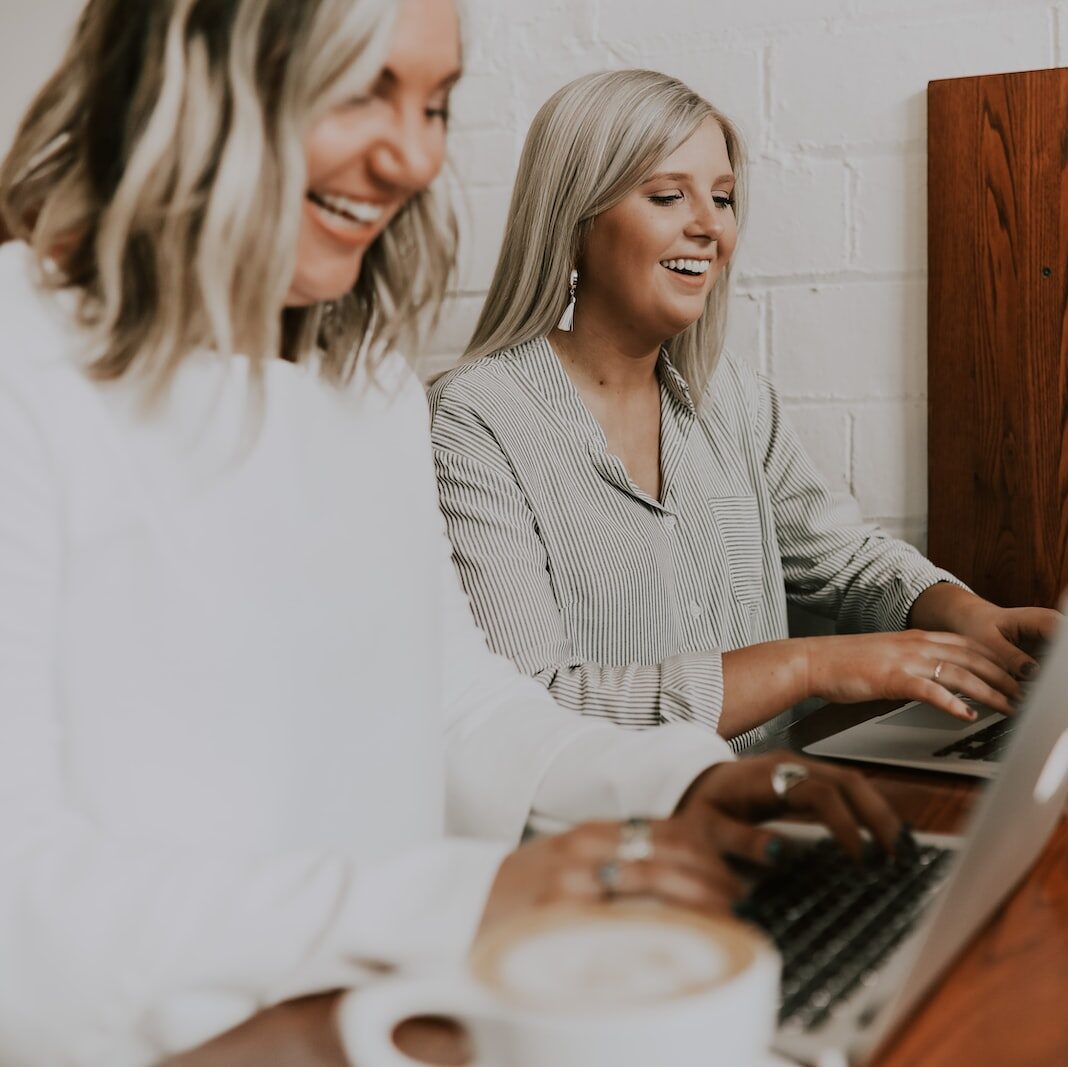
368,1016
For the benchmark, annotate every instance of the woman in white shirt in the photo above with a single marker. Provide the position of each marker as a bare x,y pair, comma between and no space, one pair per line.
630,510
242,699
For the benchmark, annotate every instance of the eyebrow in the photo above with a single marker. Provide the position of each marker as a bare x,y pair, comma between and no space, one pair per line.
390,78
675,176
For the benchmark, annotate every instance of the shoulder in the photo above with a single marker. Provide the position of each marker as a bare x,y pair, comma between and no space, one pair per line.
477,386
735,385
43,348
38,326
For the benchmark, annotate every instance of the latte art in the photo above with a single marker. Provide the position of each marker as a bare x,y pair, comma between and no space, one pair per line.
613,958
619,984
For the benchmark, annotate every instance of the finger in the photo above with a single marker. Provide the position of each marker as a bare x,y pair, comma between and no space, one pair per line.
674,884
579,882
929,692
869,806
991,671
732,837
674,842
682,849
1031,624
960,681
591,842
1012,657
822,799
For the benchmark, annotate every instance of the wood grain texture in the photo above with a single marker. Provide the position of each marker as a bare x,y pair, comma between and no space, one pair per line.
998,333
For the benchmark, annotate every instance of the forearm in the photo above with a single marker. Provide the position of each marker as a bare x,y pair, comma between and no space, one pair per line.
760,681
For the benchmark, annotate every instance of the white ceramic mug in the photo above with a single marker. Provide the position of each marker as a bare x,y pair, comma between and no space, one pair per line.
619,985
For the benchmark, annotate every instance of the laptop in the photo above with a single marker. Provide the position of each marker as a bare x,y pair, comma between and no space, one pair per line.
926,738
861,945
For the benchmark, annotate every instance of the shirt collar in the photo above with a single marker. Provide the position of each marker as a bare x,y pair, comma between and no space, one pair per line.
675,383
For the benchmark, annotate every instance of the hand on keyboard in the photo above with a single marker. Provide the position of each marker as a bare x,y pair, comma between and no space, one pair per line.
842,799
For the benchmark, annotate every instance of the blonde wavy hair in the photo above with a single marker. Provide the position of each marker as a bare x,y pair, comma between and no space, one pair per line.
160,172
593,142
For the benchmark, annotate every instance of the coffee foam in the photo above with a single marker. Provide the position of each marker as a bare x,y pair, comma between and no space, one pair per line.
612,957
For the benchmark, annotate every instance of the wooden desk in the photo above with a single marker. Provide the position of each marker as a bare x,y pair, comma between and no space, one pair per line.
1004,1002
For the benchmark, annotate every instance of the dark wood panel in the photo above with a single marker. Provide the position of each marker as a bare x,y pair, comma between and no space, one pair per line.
998,332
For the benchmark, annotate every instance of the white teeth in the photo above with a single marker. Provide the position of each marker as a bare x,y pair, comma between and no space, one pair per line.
690,266
358,210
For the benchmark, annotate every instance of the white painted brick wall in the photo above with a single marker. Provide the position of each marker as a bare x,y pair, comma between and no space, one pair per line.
830,94
831,273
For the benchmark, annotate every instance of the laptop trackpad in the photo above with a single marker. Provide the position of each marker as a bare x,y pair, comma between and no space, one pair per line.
932,718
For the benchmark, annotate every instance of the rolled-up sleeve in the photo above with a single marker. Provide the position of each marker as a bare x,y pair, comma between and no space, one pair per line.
504,567
834,563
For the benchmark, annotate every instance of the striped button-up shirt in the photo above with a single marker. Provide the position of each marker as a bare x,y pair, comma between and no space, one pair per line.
622,604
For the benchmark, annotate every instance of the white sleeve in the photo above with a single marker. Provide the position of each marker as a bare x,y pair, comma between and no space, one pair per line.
116,952
515,755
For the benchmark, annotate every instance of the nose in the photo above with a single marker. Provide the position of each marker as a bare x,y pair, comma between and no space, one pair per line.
410,152
707,220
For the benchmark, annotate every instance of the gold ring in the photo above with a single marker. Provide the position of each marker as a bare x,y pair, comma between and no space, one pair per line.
937,671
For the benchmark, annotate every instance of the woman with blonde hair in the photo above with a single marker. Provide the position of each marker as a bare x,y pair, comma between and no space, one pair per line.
245,715
629,508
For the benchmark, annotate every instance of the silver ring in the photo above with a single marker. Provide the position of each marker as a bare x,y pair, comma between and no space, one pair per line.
608,875
635,841
784,776
937,671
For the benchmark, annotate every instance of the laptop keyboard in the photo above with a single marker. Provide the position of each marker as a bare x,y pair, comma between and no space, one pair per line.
834,920
989,743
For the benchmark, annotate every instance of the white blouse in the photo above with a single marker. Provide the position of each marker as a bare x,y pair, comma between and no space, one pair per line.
243,700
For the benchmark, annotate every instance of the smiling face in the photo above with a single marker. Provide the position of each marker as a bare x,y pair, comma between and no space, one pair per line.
650,261
368,157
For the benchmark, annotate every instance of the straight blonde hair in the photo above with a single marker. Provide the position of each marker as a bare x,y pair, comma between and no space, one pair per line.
160,172
593,142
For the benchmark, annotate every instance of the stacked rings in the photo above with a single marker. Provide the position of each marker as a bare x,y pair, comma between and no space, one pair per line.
635,841
635,844
608,874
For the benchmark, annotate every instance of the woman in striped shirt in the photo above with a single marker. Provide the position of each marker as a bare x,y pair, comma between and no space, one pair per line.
630,511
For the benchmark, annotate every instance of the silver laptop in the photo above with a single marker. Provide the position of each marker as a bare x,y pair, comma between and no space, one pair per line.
924,737
861,946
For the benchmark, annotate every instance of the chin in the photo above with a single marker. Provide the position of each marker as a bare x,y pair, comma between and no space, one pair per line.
680,323
323,285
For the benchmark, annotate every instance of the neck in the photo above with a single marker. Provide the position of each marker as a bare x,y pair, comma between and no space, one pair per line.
606,359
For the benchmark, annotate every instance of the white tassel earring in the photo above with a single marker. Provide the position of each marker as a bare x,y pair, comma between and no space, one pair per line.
567,319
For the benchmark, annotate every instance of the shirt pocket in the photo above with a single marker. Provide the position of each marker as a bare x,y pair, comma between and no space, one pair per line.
741,544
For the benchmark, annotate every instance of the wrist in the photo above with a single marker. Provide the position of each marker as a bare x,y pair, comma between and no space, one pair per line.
938,607
696,788
806,665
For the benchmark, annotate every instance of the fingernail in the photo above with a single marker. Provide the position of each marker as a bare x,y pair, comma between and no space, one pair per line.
1028,670
905,840
773,850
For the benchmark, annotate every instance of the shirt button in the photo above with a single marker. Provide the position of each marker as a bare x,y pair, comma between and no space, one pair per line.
669,521
695,609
